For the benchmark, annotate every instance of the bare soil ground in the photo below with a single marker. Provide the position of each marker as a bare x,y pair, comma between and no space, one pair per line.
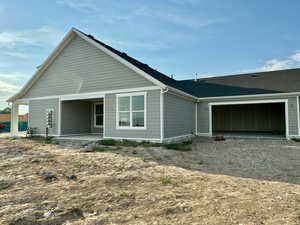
233,182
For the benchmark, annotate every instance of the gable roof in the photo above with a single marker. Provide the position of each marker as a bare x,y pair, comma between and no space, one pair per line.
282,81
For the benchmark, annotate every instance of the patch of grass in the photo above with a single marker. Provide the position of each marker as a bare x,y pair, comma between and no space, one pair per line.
295,139
5,184
76,164
145,159
128,143
178,147
108,142
165,180
99,149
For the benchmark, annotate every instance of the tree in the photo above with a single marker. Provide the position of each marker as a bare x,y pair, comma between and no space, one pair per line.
6,110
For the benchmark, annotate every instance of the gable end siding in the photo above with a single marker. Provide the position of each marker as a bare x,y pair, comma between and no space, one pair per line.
81,68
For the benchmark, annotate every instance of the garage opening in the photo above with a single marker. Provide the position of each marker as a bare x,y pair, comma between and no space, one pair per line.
251,120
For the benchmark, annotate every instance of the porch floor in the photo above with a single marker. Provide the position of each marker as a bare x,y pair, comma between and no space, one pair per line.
82,137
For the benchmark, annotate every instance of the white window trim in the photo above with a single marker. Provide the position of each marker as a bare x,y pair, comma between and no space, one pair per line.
145,111
95,125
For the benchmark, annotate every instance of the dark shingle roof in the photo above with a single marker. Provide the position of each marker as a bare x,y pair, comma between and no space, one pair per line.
282,81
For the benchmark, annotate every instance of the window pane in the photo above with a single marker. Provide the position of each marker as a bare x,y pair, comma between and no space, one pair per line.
138,102
99,109
124,119
138,119
99,120
124,103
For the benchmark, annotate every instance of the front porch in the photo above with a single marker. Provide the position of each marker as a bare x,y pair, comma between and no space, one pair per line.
81,119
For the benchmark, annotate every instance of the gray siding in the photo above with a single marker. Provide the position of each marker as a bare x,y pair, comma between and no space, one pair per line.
203,112
37,115
179,116
153,118
80,68
75,117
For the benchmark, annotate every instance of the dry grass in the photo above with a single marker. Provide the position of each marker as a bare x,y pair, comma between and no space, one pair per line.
151,185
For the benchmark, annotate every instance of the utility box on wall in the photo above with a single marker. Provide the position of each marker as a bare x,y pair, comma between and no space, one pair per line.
49,118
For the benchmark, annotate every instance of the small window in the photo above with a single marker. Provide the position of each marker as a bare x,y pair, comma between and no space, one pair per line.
131,111
98,114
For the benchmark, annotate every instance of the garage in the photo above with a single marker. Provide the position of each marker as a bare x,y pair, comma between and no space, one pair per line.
249,119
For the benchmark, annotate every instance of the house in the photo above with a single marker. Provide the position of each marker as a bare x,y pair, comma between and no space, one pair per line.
88,87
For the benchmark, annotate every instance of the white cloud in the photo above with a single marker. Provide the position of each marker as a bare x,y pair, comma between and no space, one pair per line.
42,36
289,62
8,88
16,54
78,4
13,76
296,56
276,64
178,17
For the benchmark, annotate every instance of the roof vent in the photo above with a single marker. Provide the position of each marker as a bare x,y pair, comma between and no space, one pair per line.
255,75
123,53
91,36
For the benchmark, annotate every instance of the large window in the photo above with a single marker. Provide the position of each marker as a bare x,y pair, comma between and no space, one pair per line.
131,111
98,115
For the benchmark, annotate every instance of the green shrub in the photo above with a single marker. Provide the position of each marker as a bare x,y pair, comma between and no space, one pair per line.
109,142
165,180
295,139
178,147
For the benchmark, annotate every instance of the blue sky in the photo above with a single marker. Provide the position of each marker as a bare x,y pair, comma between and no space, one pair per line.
179,37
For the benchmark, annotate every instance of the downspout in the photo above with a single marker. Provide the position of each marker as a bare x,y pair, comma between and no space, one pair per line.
162,92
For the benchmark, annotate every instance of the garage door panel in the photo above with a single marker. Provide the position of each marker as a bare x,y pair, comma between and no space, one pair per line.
249,117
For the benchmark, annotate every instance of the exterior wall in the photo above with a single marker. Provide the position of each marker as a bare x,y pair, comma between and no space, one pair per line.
93,128
203,112
37,115
75,117
179,116
203,118
152,130
80,68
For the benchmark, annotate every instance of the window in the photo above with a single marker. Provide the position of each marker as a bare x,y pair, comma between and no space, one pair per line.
98,115
131,111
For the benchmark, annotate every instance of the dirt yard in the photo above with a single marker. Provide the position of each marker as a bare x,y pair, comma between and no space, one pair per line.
242,182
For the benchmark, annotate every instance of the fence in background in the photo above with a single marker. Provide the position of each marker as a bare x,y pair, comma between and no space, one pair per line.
5,120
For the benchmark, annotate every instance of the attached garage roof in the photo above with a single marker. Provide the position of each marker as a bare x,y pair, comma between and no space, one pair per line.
282,81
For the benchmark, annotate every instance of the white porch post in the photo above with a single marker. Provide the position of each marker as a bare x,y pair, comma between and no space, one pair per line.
14,119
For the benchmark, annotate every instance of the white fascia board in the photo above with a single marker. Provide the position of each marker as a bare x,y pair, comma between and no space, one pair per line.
120,59
182,93
249,96
90,95
248,102
69,36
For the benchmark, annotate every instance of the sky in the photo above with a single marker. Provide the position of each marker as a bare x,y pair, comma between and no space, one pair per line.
177,37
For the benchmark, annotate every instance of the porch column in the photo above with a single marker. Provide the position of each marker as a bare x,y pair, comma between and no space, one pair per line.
14,121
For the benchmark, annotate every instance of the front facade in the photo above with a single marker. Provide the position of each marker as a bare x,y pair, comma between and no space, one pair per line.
91,88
